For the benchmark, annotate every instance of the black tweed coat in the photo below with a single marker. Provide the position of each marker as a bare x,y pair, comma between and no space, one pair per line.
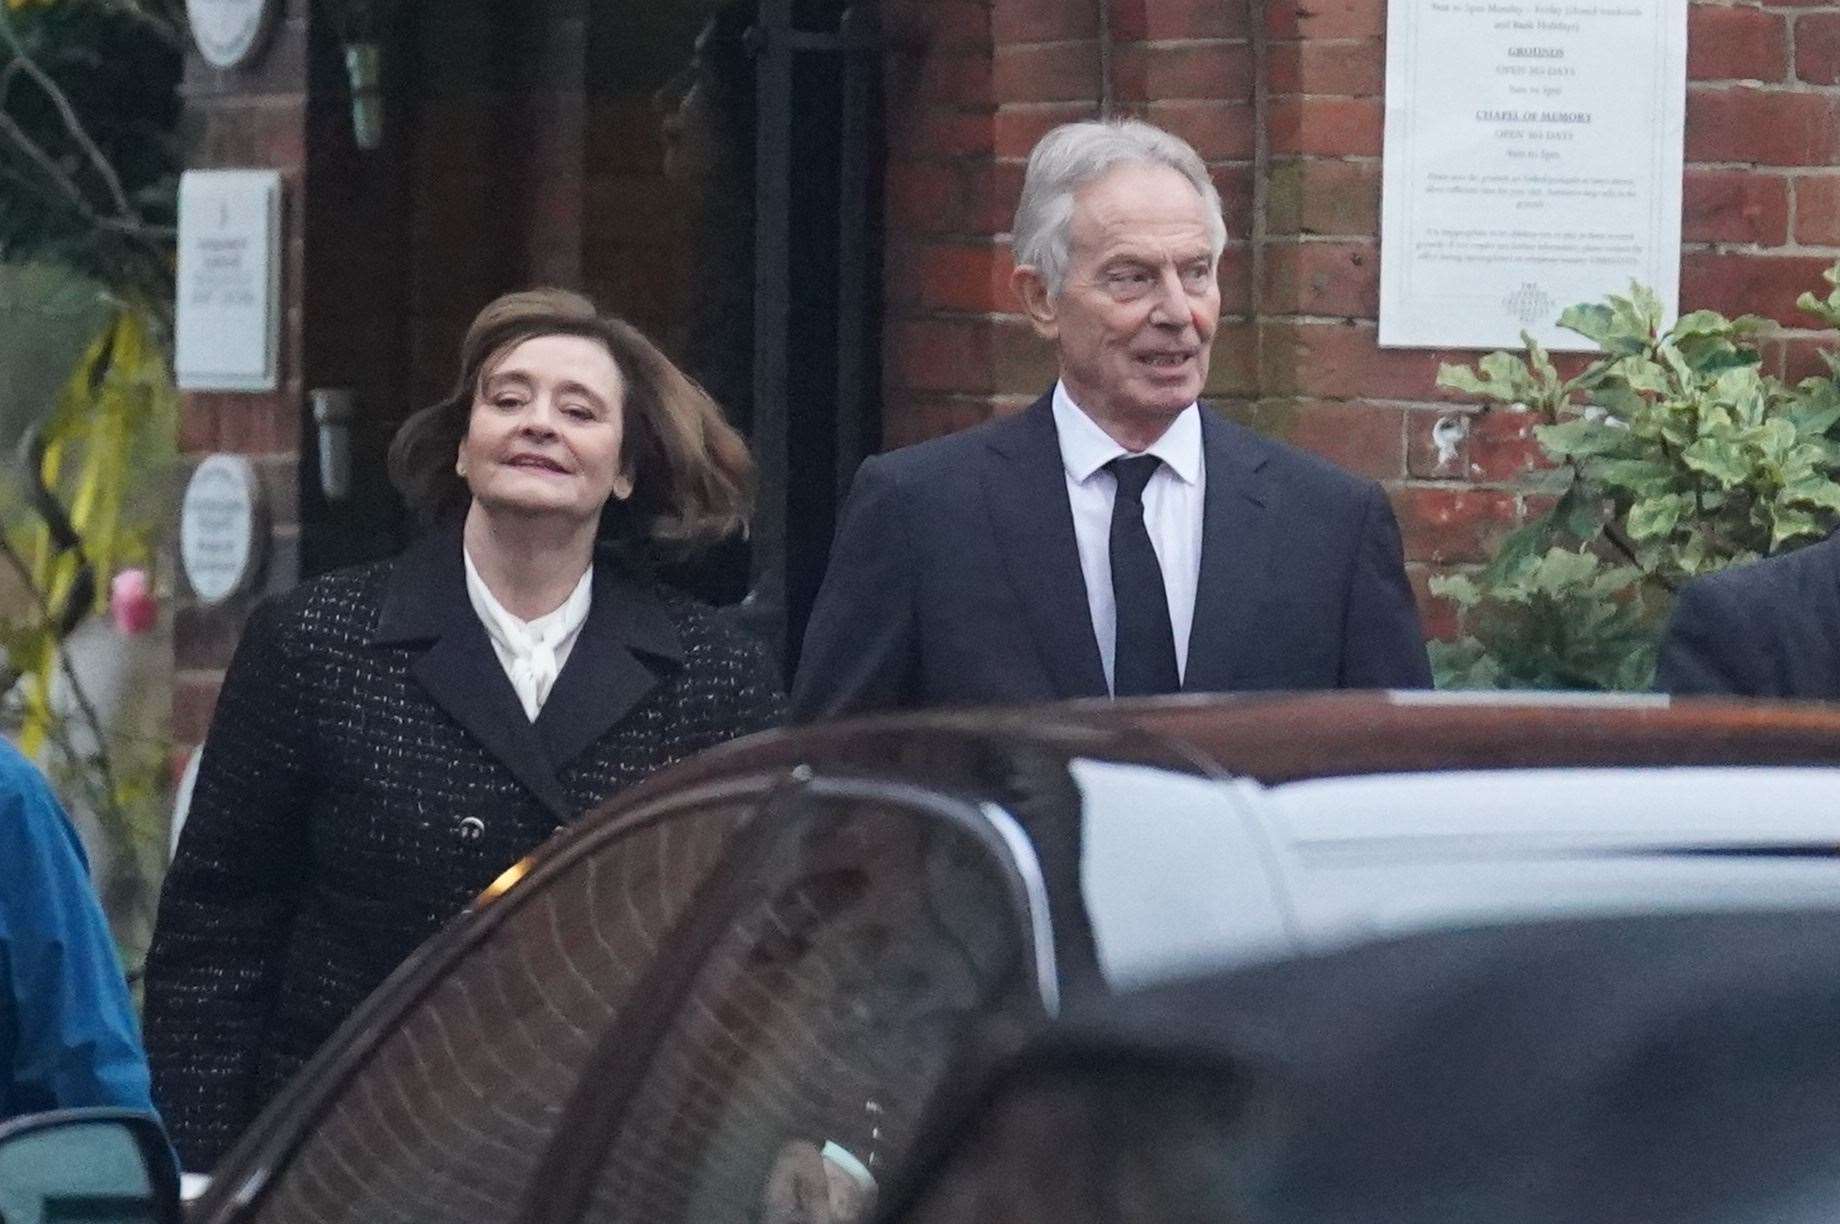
368,771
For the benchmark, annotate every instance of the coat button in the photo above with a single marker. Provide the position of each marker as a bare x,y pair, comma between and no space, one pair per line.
471,829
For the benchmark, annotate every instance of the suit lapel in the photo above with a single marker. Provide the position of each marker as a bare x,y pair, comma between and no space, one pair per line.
1025,488
425,600
1235,556
624,646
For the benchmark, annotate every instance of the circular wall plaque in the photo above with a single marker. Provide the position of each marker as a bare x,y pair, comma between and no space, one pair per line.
221,527
229,32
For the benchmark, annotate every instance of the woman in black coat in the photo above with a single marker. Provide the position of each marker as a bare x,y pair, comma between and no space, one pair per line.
389,738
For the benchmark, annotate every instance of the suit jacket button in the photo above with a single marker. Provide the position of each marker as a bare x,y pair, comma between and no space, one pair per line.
471,829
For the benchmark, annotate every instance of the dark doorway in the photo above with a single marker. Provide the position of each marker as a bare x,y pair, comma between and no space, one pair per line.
729,204
734,191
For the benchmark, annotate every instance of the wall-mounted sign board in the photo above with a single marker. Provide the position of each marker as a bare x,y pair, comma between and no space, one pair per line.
228,300
1533,161
222,527
228,33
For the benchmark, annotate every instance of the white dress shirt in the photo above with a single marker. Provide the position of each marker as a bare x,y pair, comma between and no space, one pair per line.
1172,516
532,652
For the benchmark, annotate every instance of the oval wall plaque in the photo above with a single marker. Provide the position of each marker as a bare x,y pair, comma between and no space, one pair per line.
229,32
221,527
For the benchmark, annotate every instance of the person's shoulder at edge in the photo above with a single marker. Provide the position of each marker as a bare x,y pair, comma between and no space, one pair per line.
1809,570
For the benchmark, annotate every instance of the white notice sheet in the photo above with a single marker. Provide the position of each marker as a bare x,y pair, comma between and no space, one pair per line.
1533,161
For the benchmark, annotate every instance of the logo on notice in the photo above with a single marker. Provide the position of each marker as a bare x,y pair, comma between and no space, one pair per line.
1529,304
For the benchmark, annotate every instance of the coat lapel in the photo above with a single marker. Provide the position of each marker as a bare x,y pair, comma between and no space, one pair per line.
1236,542
426,601
1025,488
625,645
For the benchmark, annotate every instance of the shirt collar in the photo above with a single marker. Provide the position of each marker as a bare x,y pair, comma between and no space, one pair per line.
517,634
1085,448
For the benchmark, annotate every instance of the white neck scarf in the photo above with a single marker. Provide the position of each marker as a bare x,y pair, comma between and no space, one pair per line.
532,652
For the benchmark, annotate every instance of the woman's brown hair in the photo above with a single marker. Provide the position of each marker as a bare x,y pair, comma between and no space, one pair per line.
693,479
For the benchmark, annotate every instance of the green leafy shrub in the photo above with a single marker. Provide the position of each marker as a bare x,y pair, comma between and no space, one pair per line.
1673,455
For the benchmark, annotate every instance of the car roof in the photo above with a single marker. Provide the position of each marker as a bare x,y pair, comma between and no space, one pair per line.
1274,738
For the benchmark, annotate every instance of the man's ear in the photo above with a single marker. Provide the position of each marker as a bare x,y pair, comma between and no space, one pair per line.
1032,290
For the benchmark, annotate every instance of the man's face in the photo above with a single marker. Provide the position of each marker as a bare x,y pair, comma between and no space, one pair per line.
1137,311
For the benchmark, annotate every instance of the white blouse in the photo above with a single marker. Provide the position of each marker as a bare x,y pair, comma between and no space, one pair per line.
532,652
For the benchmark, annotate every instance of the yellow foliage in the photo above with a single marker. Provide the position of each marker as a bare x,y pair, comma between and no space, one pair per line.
110,435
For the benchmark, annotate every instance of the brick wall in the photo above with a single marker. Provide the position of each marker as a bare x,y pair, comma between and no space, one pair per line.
251,117
1284,101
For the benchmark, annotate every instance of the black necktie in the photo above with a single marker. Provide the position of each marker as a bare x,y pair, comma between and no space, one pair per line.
1144,657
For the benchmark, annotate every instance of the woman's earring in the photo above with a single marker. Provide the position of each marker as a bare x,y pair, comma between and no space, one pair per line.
622,488
460,466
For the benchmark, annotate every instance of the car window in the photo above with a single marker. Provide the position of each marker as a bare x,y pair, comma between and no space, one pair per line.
450,1114
870,940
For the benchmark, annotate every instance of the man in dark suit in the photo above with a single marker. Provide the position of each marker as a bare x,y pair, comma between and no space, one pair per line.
1771,629
1116,537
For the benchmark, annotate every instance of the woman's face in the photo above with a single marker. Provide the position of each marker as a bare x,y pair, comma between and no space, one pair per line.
545,430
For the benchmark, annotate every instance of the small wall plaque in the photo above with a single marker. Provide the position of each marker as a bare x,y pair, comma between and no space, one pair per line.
229,284
221,528
229,32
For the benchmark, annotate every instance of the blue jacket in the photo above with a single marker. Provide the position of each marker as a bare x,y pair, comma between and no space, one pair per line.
67,1031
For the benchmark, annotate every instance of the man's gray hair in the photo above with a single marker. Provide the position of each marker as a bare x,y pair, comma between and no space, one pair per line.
1075,154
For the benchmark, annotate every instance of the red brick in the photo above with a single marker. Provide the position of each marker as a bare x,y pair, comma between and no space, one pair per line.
1749,284
1367,439
1023,363
1342,361
1234,183
1218,130
197,423
1021,21
993,190
951,197
1050,72
968,277
262,424
1216,70
1734,206
1353,69
1236,280
925,196
270,132
1019,127
279,476
1326,19
1763,126
1312,196
938,131
194,698
1176,19
917,25
1817,48
1233,371
1444,525
926,417
1437,615
204,636
1736,44
942,355
1502,447
1323,278
1793,359
963,78
1817,211
1336,127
